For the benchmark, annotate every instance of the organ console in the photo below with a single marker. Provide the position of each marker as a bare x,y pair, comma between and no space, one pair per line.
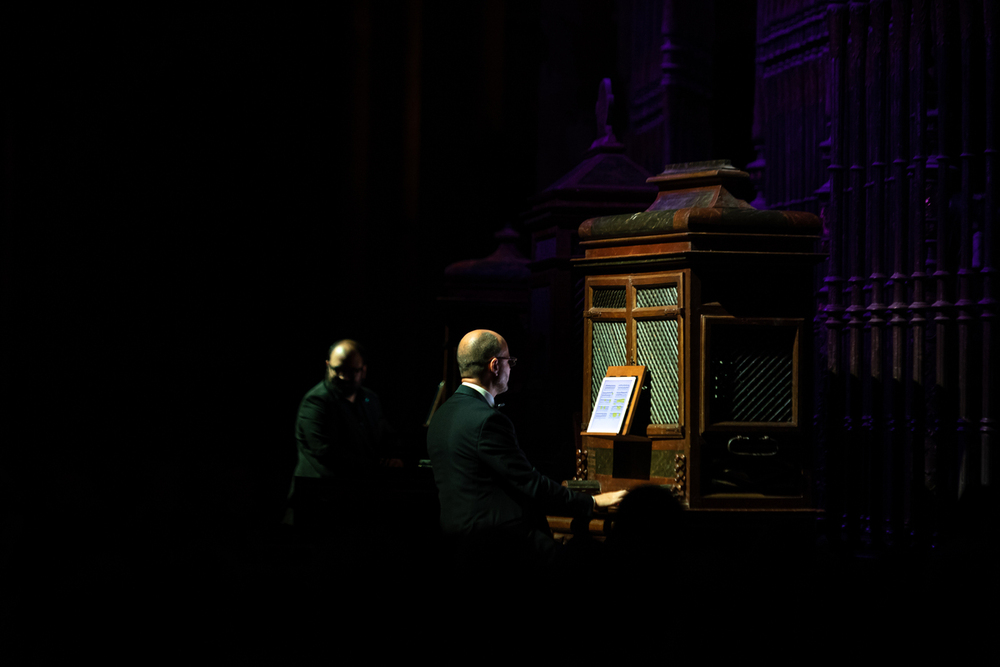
714,299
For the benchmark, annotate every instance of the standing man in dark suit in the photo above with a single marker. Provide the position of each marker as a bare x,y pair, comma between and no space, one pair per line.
493,501
341,438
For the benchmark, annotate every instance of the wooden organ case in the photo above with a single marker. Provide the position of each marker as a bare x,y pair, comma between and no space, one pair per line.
715,299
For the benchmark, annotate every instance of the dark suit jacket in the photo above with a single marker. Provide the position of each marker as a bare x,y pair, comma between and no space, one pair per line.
484,481
338,441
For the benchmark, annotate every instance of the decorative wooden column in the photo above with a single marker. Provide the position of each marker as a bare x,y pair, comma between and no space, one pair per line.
605,182
485,293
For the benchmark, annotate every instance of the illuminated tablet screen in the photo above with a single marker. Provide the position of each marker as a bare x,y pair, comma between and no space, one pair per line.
612,404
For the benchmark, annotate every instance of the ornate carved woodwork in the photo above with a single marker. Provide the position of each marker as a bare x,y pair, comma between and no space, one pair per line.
907,359
712,296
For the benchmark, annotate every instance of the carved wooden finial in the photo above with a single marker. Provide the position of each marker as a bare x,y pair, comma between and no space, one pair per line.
605,100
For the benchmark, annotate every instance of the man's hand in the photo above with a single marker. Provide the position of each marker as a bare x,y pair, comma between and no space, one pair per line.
610,498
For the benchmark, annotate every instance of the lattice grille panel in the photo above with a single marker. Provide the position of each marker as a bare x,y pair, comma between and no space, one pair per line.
650,297
657,351
751,374
608,350
610,297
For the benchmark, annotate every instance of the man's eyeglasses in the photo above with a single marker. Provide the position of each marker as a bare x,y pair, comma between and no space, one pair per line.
512,360
346,370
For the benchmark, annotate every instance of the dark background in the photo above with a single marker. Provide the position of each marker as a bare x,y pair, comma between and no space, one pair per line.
198,203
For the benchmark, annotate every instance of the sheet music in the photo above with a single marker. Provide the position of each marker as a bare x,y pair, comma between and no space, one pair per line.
612,404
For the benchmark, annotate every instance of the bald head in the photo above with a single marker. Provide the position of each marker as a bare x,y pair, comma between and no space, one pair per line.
346,368
475,351
345,346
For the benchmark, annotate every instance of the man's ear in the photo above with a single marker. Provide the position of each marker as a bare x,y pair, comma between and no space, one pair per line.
364,372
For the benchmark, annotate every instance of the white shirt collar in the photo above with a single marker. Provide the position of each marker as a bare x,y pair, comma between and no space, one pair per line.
485,394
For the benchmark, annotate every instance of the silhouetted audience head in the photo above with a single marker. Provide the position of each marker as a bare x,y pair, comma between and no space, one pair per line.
648,524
